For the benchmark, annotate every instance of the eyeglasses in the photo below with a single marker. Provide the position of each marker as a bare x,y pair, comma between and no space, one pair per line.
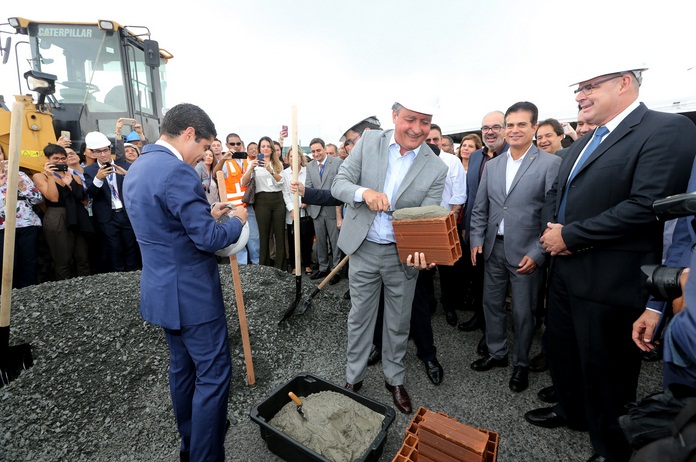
494,128
101,151
239,143
431,140
589,88
353,140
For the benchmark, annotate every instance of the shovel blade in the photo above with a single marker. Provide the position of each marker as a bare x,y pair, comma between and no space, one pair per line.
14,360
298,298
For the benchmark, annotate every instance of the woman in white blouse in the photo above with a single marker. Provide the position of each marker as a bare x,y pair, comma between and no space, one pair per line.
269,204
306,224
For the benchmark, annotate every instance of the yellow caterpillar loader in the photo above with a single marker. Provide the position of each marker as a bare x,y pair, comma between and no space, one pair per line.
86,76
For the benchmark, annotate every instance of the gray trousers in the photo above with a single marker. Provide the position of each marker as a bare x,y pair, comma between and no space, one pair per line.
371,266
326,232
524,289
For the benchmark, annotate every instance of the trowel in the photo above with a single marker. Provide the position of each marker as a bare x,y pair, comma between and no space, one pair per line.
298,401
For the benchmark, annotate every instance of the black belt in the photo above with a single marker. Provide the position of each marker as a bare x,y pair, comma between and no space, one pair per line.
117,210
500,237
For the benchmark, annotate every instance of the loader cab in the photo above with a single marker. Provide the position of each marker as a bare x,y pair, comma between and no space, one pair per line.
103,72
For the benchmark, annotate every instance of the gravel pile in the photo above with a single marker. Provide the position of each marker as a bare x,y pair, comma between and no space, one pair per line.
99,388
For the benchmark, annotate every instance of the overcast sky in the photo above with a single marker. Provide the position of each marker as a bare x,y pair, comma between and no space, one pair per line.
247,62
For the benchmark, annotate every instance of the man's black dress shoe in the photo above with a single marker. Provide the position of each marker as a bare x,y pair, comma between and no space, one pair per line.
318,274
434,371
520,379
354,387
539,363
548,394
471,325
547,418
488,363
451,317
335,280
375,356
346,296
401,399
596,458
482,348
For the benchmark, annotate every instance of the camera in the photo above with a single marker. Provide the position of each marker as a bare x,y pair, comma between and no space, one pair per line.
61,167
663,281
239,155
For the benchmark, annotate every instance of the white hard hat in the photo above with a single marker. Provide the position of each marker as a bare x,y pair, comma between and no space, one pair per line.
424,104
590,72
235,247
96,140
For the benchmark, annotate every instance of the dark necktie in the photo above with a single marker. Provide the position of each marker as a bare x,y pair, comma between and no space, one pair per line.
321,171
591,146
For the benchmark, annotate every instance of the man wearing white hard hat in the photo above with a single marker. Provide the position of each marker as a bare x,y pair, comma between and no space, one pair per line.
600,230
386,170
104,181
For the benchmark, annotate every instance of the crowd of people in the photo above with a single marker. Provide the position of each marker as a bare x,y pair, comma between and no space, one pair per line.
553,235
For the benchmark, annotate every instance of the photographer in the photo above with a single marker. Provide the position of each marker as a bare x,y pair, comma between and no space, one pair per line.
66,219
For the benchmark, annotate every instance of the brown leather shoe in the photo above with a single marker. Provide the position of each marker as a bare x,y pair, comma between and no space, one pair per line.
354,387
401,399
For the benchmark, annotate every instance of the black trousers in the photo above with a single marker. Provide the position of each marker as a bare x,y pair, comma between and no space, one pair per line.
26,256
306,240
594,363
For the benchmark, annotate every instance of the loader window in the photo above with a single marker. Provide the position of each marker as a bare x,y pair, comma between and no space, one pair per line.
141,81
87,62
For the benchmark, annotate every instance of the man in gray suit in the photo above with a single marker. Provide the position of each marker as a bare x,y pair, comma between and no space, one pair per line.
385,171
505,227
320,175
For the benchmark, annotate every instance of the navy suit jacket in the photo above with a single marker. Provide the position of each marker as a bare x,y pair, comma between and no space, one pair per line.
610,224
101,197
180,283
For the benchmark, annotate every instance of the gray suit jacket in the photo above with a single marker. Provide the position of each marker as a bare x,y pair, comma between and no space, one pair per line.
366,166
520,207
322,182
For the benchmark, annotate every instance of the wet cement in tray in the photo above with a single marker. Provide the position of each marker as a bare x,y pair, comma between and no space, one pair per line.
337,427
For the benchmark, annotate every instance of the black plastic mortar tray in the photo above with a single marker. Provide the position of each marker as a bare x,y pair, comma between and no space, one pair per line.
305,384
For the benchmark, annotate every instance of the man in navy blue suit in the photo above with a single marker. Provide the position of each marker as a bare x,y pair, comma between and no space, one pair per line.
180,284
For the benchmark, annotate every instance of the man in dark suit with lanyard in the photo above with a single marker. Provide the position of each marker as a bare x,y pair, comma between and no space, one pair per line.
104,185
600,229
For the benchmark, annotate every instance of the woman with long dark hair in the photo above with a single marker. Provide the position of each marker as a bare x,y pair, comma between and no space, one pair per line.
269,204
65,220
204,169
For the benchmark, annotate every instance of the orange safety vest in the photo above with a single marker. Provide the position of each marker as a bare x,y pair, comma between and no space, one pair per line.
233,182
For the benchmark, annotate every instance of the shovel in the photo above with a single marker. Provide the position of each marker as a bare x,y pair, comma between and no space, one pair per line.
296,222
13,359
241,313
298,401
308,301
